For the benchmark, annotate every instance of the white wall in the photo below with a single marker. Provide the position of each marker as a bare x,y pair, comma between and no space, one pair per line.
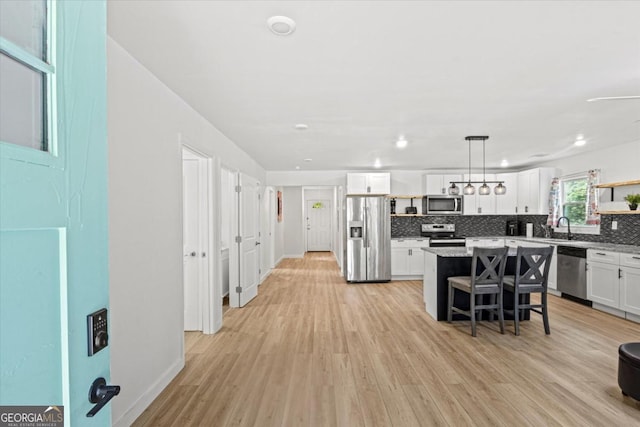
292,220
617,163
146,122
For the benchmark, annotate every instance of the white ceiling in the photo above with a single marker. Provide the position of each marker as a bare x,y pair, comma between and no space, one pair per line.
360,73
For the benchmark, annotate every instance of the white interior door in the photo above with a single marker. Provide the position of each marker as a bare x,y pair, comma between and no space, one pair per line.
191,243
247,242
318,225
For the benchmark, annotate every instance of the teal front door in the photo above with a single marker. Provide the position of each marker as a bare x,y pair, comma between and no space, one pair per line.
53,203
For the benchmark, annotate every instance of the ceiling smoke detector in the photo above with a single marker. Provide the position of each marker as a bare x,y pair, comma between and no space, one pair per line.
281,25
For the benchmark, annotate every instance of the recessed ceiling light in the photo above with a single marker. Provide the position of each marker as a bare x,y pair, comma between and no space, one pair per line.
281,25
580,142
504,163
308,160
301,126
377,164
401,142
297,167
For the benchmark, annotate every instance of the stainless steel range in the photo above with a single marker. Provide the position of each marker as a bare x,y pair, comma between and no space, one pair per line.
441,235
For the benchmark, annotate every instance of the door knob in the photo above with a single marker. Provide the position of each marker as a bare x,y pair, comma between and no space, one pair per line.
257,243
100,393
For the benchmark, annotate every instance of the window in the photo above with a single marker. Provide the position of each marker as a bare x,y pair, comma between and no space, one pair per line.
26,74
576,205
574,200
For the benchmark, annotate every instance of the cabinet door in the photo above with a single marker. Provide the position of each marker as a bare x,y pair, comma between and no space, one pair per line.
506,203
446,181
524,192
434,184
356,183
630,289
416,261
379,183
486,204
400,261
603,284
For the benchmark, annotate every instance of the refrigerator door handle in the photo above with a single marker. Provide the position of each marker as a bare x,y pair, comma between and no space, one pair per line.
365,229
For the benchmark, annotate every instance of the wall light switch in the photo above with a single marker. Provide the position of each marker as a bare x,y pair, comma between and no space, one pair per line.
614,225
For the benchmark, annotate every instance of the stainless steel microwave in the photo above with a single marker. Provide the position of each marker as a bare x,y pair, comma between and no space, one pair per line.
442,205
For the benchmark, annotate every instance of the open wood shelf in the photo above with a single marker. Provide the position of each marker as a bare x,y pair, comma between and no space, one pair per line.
407,215
619,212
393,196
619,184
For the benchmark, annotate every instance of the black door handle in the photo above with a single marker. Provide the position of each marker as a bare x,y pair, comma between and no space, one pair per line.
100,393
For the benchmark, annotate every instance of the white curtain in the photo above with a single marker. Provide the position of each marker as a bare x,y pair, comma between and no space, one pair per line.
593,179
554,203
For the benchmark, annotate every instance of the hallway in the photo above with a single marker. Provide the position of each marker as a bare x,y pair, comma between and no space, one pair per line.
312,350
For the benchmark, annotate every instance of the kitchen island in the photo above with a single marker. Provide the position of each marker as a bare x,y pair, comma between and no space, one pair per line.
442,263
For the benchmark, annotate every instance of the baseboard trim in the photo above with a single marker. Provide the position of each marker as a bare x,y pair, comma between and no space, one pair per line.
150,395
265,275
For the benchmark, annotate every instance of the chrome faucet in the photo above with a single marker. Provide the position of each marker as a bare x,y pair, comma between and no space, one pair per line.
568,226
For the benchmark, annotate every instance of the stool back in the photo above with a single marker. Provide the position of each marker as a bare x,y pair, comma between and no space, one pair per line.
487,266
532,266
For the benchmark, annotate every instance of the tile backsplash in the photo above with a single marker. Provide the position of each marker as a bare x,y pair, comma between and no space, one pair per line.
628,232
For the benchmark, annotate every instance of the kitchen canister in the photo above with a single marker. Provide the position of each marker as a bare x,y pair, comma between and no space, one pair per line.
529,230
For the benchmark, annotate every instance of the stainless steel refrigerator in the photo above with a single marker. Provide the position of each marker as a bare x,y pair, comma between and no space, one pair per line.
368,239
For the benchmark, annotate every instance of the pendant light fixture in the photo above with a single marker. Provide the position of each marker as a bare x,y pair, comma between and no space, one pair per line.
469,189
484,189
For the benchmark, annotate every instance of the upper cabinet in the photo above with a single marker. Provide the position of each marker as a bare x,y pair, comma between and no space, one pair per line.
439,183
534,186
477,204
507,203
369,183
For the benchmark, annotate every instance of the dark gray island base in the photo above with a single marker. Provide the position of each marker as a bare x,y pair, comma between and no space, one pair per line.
442,263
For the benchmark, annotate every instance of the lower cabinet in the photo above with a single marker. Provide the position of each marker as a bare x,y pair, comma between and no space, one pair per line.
613,280
630,283
407,257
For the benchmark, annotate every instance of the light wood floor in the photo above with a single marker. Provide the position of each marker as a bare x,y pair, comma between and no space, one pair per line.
312,350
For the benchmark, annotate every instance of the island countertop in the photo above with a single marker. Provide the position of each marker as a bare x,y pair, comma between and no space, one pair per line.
458,252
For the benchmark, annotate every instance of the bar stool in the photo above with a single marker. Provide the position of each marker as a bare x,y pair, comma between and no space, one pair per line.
487,273
532,275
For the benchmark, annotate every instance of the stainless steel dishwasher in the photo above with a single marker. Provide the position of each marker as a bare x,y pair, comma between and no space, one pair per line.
572,271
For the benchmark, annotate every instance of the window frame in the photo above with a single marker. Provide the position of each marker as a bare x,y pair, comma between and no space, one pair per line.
51,156
575,229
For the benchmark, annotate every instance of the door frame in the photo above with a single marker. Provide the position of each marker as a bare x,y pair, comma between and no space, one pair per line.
331,224
208,289
334,226
235,247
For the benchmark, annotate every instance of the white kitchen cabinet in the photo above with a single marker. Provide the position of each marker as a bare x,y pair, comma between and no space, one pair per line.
603,274
477,204
630,283
407,257
552,281
439,183
533,190
369,183
507,204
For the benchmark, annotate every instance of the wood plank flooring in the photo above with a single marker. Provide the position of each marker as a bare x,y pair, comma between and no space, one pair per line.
311,350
